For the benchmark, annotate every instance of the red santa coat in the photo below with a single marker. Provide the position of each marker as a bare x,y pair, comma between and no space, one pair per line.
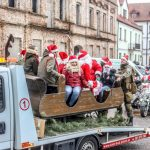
89,75
61,67
95,69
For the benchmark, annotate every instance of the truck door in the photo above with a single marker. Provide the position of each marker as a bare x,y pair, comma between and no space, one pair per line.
5,111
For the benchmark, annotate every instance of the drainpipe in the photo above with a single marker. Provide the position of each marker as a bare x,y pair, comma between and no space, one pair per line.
147,44
117,39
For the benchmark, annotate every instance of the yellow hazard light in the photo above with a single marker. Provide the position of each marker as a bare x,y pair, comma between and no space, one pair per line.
27,145
10,60
2,60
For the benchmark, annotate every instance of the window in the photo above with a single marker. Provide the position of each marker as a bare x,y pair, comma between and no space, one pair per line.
124,13
2,95
38,44
135,37
11,3
98,52
78,14
120,33
149,29
34,6
63,46
139,39
111,24
141,27
111,53
135,57
104,22
16,47
120,55
90,50
130,37
61,10
91,17
98,23
103,52
125,34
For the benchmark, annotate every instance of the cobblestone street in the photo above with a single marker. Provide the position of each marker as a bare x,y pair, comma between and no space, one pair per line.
139,145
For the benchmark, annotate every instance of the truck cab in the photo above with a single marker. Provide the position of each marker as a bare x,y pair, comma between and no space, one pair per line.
6,109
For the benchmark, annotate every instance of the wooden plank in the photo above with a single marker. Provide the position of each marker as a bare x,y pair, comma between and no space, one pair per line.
54,105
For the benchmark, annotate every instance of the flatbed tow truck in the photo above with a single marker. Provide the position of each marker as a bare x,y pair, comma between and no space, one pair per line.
18,131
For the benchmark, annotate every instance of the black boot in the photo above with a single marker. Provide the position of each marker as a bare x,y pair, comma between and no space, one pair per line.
130,123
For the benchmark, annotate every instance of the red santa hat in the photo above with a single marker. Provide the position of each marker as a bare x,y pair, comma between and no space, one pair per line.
63,55
73,58
52,48
83,55
125,57
22,52
108,64
105,59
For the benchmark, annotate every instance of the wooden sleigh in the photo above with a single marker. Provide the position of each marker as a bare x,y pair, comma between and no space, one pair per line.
54,105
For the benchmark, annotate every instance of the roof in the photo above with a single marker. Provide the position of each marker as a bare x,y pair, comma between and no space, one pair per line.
141,11
128,22
121,2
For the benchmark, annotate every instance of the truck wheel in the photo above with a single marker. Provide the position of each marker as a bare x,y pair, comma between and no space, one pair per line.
144,111
88,143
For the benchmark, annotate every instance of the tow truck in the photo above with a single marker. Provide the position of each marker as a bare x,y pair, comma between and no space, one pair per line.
17,127
18,131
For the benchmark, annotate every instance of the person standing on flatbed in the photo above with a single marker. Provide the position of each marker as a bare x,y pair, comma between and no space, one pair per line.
126,76
31,61
48,68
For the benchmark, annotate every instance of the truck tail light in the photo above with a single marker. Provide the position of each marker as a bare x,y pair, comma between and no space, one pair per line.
27,145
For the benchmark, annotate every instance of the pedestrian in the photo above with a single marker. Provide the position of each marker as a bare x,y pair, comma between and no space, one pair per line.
126,76
74,80
31,61
48,68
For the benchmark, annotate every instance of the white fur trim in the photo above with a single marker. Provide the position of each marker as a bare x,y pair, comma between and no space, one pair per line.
32,51
90,83
51,55
98,72
53,51
73,60
124,58
85,57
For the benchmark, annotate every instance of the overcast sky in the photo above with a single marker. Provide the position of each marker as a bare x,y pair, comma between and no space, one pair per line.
138,1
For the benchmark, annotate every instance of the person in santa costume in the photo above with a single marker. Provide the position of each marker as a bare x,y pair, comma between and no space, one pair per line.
31,61
64,59
92,71
105,60
48,68
74,80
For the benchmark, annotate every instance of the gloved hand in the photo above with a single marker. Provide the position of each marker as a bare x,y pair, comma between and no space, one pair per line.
90,84
98,78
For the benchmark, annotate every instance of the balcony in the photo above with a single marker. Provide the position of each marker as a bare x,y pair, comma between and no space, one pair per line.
132,46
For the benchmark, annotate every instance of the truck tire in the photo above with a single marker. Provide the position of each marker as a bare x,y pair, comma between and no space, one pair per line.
144,111
87,143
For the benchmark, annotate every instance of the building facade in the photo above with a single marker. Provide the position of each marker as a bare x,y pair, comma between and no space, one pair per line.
140,13
70,24
129,34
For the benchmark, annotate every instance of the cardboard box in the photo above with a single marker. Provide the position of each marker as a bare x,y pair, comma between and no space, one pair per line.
40,127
